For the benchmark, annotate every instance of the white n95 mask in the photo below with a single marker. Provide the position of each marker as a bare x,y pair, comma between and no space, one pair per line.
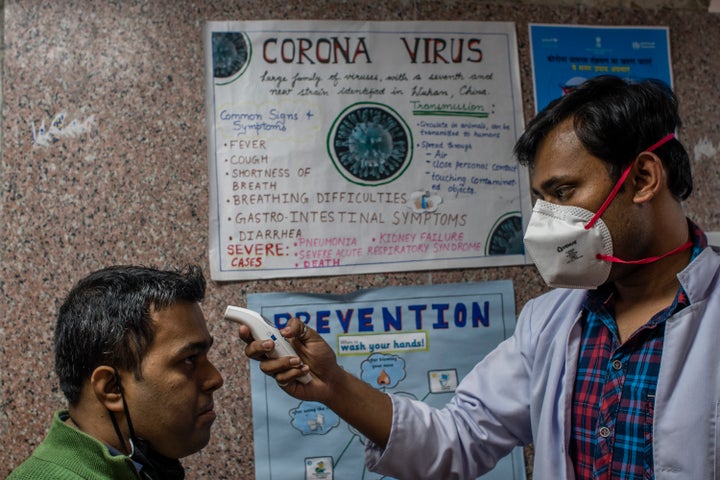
563,250
572,247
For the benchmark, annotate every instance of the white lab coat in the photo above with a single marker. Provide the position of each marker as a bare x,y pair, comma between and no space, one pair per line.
521,393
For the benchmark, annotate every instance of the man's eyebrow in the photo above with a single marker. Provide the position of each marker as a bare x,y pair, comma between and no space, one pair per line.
193,347
551,182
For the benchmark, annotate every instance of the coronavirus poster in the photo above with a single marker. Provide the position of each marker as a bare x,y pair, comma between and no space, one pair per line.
417,342
348,147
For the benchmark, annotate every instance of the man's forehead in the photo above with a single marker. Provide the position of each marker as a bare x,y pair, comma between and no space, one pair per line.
180,320
561,135
558,147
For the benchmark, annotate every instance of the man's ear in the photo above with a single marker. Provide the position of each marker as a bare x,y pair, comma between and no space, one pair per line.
648,177
106,386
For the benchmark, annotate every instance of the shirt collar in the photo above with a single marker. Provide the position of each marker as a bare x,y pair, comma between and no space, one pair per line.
117,453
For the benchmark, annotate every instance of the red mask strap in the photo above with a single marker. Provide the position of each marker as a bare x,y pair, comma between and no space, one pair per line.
622,179
642,261
661,142
610,197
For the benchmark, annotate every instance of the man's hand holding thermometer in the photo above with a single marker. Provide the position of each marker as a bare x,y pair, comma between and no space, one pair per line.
261,329
362,406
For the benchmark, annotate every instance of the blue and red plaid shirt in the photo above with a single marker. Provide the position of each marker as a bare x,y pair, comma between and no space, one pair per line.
614,395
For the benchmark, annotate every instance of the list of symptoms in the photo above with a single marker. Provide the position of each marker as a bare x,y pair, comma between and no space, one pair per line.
353,148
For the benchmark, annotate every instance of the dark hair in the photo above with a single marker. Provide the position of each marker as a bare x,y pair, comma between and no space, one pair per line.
616,120
105,319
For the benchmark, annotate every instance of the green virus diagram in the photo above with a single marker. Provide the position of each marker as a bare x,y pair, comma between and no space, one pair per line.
370,144
231,52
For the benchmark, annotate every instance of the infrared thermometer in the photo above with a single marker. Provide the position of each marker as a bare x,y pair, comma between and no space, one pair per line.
261,329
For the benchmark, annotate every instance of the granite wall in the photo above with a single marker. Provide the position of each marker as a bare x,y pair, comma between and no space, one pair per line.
134,187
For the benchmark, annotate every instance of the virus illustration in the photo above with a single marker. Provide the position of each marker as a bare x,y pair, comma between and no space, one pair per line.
506,237
230,53
371,144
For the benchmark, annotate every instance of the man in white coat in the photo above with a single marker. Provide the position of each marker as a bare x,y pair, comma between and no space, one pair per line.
614,374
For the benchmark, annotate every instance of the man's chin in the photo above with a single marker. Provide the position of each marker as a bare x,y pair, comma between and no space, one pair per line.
194,444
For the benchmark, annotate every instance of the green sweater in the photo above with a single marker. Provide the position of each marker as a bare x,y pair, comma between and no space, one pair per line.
69,454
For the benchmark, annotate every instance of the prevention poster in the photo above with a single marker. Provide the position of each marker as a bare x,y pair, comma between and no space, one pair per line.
417,341
564,56
358,147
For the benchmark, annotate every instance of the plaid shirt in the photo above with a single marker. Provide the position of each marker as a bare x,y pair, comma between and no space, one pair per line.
614,394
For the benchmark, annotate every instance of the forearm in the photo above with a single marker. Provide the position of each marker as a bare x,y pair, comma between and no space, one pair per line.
362,406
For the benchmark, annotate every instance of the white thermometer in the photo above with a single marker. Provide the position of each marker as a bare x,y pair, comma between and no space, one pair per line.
261,329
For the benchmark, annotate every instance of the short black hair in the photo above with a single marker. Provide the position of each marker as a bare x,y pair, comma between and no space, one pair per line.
616,119
105,319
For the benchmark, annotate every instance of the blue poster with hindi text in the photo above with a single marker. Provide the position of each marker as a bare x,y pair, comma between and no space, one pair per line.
564,56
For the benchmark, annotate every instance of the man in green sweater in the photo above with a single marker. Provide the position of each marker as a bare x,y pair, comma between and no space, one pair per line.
131,353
